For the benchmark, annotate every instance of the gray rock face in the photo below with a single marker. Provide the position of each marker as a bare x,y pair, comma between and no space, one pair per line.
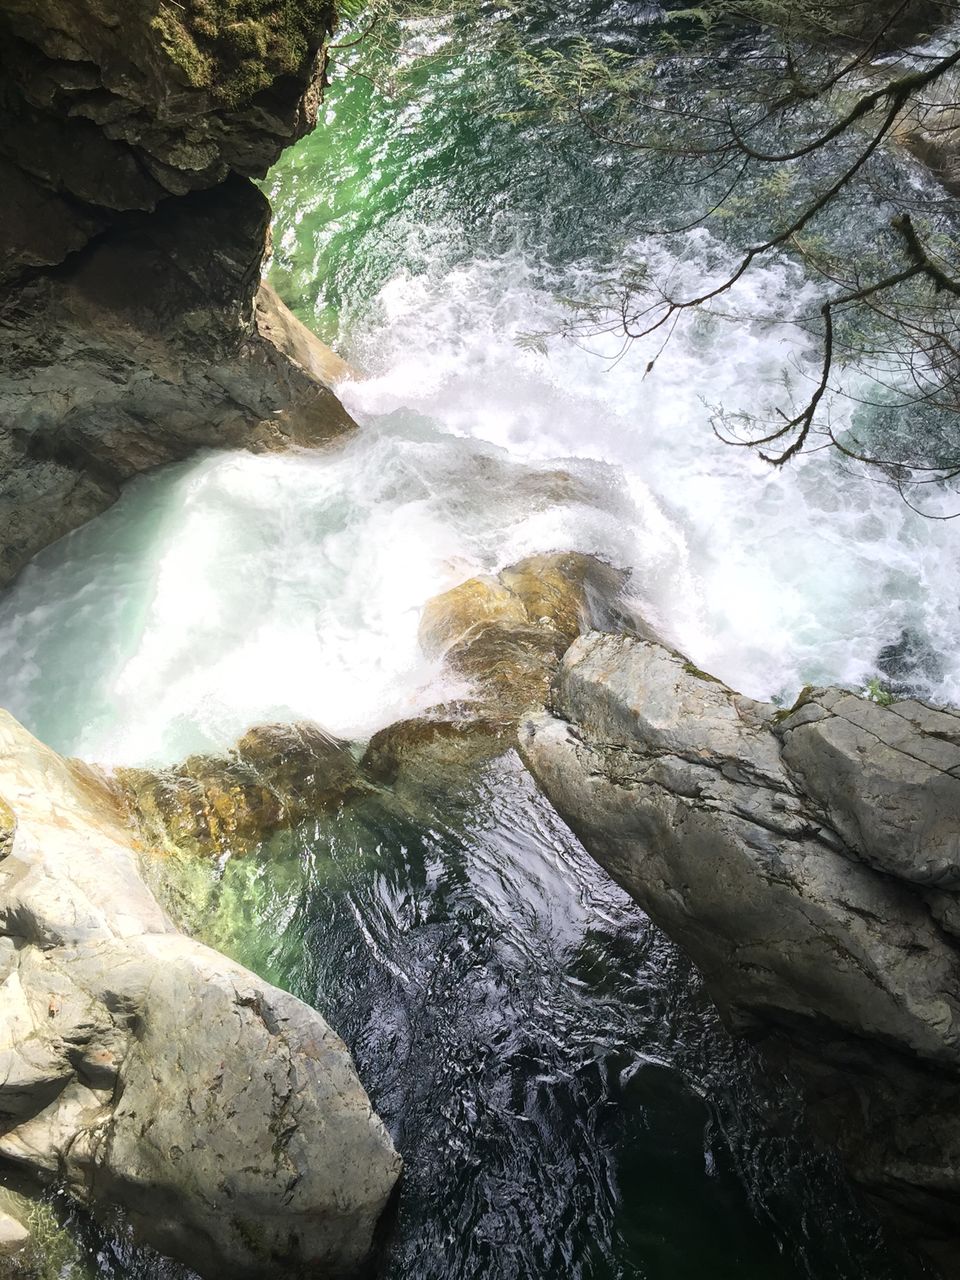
134,326
795,858
147,1072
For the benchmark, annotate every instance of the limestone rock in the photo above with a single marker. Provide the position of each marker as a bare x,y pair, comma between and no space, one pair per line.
144,1070
793,857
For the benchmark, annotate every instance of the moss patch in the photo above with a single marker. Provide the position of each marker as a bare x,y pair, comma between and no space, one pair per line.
235,48
803,697
691,670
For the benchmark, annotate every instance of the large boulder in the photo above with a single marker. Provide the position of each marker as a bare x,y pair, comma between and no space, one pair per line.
135,326
148,1073
807,862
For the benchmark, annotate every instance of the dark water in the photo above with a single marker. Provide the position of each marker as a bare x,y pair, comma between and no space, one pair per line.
564,1097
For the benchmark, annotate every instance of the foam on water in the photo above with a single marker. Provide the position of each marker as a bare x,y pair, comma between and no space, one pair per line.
770,578
238,589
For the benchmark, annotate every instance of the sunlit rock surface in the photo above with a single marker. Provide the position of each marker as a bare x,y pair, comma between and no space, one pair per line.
808,862
147,1072
275,776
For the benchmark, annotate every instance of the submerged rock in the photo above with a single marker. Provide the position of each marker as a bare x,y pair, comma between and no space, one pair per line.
796,858
147,1073
425,750
910,664
275,776
505,635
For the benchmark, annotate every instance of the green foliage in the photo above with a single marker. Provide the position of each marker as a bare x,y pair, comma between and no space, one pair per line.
876,691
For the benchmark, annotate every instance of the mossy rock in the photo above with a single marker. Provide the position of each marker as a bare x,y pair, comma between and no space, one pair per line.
236,48
275,776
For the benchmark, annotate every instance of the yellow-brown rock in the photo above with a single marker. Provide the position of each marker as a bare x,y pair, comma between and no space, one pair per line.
426,749
506,635
273,777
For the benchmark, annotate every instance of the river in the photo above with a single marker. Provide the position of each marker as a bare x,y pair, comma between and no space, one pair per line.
567,1104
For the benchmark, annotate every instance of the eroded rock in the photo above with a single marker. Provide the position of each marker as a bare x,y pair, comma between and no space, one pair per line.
135,327
147,1072
792,856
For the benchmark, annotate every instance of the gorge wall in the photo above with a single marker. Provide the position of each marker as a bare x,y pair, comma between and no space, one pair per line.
134,326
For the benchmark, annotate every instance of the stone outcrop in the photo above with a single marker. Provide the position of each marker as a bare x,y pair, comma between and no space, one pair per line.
809,863
147,1073
505,635
14,1234
135,328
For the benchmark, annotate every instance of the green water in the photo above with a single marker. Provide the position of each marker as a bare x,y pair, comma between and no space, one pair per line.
565,1099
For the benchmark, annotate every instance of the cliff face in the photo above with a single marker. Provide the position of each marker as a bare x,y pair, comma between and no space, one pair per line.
810,865
131,240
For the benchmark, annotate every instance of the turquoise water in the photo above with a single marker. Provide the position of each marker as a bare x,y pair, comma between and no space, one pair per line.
564,1096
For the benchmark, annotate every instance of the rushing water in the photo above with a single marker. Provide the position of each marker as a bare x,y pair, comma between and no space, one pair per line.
565,1100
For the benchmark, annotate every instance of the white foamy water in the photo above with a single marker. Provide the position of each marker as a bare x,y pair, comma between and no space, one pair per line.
770,578
237,588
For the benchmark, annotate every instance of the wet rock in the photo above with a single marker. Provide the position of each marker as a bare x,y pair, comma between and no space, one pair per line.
909,664
144,1071
275,776
506,635
135,326
427,750
796,857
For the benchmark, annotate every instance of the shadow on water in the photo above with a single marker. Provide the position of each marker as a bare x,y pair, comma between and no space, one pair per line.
565,1099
